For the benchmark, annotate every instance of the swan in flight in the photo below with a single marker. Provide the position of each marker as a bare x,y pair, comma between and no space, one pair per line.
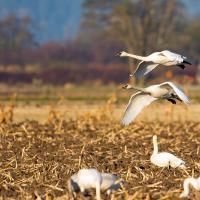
91,178
145,96
165,159
148,63
190,181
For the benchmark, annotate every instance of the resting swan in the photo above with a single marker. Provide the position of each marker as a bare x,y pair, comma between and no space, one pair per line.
109,182
85,179
148,63
165,159
190,181
145,96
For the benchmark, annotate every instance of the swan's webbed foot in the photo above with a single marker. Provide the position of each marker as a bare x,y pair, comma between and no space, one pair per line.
182,66
176,97
172,101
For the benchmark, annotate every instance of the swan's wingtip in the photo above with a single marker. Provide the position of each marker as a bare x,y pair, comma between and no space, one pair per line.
187,102
124,123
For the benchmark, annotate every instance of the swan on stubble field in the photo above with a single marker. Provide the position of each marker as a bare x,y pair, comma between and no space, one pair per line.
195,182
91,178
148,63
165,159
111,182
145,96
85,179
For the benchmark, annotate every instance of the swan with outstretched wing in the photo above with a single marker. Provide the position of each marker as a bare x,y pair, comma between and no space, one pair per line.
146,96
150,62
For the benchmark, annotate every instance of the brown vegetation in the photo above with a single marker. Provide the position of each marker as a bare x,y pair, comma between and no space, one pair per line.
37,159
108,27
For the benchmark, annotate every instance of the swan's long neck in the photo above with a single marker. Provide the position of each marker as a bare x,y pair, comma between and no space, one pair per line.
138,89
155,146
186,184
137,57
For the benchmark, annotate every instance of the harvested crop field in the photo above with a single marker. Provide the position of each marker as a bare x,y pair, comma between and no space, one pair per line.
38,158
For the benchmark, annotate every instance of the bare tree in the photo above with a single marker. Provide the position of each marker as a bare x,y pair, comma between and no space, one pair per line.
141,26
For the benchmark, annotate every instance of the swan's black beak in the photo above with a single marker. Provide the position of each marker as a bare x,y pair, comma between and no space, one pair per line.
118,54
124,86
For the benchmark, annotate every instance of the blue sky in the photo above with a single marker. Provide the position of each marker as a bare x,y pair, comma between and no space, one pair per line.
59,19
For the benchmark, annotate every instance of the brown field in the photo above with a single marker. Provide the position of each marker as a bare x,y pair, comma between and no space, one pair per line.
41,146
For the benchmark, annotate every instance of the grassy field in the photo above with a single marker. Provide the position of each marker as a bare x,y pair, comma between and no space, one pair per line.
43,143
88,93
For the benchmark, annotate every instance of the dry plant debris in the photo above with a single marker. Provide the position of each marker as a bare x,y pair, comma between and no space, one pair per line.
36,159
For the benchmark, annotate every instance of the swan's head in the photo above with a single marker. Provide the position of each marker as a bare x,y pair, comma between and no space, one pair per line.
127,86
122,54
182,165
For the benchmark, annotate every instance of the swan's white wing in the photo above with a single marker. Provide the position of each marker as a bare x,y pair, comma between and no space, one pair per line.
136,103
173,56
177,90
144,68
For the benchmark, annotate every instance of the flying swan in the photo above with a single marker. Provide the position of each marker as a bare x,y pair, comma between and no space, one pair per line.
148,63
165,159
91,178
145,96
190,181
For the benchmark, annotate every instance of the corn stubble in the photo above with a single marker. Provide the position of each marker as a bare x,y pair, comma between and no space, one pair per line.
36,161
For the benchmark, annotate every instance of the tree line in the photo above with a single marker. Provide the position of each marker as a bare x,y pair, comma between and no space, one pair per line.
107,27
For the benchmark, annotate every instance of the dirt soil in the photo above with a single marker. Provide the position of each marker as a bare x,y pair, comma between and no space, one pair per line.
36,159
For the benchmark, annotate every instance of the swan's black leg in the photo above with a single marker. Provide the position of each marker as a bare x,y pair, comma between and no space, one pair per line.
176,97
172,101
169,166
182,66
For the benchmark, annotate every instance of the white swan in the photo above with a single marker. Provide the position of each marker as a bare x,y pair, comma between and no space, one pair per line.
187,182
145,96
165,159
85,179
88,178
148,63
111,182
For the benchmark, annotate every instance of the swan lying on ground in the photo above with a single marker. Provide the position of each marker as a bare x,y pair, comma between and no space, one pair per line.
91,178
187,182
165,159
145,96
148,63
